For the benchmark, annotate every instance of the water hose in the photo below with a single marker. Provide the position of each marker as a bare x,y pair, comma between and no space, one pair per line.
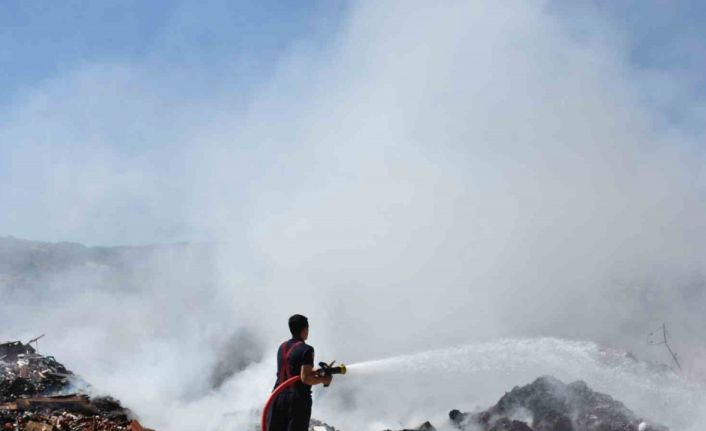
287,383
325,370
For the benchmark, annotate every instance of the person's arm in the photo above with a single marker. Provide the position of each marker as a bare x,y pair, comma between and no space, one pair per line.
309,376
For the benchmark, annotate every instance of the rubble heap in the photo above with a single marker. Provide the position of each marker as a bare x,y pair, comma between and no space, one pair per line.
317,425
426,426
24,372
37,393
552,405
547,404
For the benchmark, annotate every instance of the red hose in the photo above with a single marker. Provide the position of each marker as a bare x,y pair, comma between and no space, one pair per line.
287,383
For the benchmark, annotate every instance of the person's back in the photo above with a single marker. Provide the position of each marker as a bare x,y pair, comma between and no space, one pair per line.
291,356
291,410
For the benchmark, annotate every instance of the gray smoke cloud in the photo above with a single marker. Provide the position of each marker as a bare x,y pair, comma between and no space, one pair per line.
437,175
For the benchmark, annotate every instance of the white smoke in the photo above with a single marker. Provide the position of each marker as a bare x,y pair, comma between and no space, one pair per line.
438,174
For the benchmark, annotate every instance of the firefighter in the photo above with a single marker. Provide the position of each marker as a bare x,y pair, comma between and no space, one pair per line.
291,410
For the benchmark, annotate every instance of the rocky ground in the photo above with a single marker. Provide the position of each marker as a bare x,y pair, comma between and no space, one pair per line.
37,393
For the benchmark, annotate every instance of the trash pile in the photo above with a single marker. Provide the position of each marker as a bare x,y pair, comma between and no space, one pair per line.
426,426
37,393
317,425
548,404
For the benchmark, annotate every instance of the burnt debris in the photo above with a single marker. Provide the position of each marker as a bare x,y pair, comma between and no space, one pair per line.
548,404
426,426
552,405
37,393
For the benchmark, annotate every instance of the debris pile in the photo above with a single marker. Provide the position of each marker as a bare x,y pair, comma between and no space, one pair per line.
548,404
37,393
24,372
426,426
317,425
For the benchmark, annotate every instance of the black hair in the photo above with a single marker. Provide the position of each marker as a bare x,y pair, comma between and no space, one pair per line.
297,324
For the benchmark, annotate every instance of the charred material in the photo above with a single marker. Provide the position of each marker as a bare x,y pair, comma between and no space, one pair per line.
317,425
554,406
24,372
426,426
37,394
10,350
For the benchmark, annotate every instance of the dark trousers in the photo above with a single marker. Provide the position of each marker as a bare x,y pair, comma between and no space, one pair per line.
290,411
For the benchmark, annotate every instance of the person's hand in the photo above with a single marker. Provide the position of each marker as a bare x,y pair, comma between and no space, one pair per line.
328,379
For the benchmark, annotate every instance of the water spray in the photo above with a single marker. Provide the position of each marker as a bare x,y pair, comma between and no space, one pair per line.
324,370
508,361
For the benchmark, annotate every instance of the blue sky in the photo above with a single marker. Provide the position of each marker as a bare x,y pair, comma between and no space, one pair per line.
43,39
661,36
106,105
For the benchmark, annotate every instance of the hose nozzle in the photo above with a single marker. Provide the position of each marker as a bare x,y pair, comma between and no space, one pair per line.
329,370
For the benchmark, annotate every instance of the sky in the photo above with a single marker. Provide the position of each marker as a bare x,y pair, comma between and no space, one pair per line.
187,55
195,63
42,40
661,38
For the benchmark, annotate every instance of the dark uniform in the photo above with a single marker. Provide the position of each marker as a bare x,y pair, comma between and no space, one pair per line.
291,410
